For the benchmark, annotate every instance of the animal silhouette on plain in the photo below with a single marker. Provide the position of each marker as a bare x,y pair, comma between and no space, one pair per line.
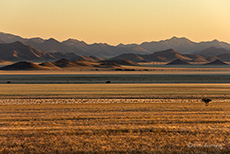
206,100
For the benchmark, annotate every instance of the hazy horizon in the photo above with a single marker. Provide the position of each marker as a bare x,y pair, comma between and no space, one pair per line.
115,22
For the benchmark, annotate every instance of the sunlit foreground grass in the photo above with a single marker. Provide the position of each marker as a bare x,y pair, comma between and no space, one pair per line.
122,125
116,118
114,90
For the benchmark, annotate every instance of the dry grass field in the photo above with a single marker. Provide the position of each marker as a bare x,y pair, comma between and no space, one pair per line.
114,118
114,90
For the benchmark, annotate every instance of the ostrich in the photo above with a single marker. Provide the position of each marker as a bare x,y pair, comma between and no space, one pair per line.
206,100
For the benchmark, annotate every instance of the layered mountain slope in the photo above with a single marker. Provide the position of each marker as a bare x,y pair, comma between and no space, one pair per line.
121,62
19,51
51,45
224,57
71,56
178,62
196,58
217,62
213,51
165,56
64,63
183,45
180,44
9,38
24,65
130,56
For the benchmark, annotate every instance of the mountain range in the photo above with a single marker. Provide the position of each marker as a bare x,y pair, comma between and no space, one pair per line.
16,48
171,55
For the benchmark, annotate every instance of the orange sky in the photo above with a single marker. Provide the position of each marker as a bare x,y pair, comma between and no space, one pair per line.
115,21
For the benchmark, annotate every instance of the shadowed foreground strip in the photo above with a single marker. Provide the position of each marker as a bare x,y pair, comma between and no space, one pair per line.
122,125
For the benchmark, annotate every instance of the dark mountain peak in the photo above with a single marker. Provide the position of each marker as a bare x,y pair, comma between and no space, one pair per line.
165,56
52,40
23,65
37,40
215,40
100,44
121,45
175,38
74,42
64,63
178,40
217,62
178,62
9,38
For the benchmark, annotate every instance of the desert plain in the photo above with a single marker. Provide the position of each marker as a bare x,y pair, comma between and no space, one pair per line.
64,116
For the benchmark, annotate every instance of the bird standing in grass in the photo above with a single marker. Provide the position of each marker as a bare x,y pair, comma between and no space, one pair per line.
206,100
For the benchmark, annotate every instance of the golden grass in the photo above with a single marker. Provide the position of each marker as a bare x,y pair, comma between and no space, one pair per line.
114,118
114,90
114,126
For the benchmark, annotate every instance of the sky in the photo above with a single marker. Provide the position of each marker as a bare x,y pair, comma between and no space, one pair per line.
117,21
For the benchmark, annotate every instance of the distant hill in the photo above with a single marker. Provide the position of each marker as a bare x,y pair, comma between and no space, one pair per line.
178,62
184,45
24,65
212,58
9,38
196,58
180,44
165,56
49,64
64,63
75,43
217,62
71,56
51,45
17,51
96,58
122,62
130,56
212,51
224,57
